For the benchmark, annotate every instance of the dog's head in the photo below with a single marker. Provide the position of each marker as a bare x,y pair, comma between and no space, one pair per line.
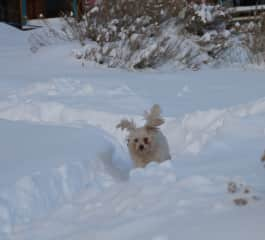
141,140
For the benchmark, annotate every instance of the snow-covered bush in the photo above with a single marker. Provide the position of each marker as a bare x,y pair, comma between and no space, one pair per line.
136,34
250,38
141,34
201,18
257,39
143,50
207,25
112,20
151,33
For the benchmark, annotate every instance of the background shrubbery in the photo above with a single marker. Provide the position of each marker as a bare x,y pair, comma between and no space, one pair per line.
257,42
140,34
112,20
151,33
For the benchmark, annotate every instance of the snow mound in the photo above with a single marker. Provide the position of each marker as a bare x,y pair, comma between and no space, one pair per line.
195,130
12,37
154,172
51,166
235,54
63,87
187,135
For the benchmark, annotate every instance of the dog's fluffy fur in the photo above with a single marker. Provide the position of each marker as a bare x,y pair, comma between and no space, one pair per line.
147,143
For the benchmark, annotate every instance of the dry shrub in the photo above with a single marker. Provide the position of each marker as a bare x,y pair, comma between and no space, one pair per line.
142,50
259,36
149,33
112,20
207,25
256,40
136,34
201,18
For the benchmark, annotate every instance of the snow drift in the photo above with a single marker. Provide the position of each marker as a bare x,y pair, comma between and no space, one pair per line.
42,167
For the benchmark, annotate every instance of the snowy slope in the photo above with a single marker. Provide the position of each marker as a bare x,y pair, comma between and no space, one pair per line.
43,166
64,169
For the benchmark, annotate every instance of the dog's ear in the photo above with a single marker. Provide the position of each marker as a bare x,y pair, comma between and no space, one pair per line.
153,118
126,124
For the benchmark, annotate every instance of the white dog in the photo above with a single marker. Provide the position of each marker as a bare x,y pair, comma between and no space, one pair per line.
147,143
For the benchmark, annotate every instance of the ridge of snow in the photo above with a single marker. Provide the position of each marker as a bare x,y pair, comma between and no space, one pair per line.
25,198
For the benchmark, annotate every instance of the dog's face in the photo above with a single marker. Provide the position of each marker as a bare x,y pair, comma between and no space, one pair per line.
141,141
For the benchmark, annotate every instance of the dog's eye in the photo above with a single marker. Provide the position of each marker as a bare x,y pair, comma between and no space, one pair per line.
146,140
136,140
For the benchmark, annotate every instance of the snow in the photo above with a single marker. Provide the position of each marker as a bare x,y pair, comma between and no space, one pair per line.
45,170
204,12
65,172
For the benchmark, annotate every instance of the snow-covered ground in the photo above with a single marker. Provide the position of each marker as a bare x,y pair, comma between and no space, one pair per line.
65,172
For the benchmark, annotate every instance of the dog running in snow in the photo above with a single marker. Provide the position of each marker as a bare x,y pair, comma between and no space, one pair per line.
147,143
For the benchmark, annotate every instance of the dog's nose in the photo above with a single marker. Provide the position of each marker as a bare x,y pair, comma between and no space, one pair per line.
141,147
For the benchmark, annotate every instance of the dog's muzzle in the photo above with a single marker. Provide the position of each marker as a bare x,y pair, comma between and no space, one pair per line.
141,147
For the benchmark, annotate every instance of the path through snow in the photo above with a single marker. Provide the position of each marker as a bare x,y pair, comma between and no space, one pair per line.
64,168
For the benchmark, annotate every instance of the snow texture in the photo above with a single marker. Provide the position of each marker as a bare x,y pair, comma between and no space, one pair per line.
65,171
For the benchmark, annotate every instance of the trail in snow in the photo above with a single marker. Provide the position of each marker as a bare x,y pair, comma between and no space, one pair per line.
188,134
170,195
187,137
47,104
65,169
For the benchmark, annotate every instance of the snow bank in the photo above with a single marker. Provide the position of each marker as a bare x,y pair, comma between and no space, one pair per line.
194,131
235,54
49,166
188,135
12,37
60,87
38,190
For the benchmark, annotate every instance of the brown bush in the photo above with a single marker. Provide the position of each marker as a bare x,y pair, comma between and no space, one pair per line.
256,40
112,20
200,18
